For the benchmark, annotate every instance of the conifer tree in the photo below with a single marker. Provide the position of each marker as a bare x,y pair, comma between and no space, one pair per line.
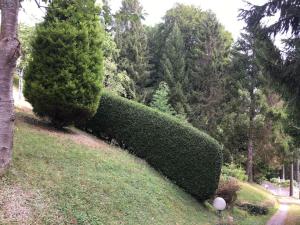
131,39
196,69
64,79
160,99
249,74
173,69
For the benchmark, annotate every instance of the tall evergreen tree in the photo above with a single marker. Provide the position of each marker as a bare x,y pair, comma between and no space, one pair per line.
131,39
284,70
288,20
199,84
64,77
173,69
249,74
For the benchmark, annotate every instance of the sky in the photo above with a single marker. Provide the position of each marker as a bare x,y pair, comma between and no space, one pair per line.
226,11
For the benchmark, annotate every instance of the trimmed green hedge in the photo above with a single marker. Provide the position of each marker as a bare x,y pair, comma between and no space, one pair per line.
187,156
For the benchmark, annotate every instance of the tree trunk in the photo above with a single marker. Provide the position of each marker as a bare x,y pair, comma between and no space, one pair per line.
291,180
9,53
283,172
251,137
297,170
250,161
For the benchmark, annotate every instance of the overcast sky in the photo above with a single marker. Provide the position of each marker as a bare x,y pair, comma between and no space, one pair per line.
226,11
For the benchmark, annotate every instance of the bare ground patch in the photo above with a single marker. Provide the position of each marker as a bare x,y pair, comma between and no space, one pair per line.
73,134
18,206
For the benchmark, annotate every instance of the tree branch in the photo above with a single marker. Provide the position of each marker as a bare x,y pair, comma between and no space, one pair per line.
39,4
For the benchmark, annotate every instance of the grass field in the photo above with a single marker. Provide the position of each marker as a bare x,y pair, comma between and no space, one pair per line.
57,178
253,193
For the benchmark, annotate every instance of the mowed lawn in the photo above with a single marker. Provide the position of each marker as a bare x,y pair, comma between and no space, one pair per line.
56,178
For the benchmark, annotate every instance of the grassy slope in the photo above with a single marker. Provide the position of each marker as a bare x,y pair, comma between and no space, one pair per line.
253,193
61,182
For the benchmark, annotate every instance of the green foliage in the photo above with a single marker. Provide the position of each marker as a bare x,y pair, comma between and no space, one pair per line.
114,80
281,183
173,69
160,99
253,209
131,39
64,78
187,156
250,89
232,170
287,22
190,51
26,34
282,68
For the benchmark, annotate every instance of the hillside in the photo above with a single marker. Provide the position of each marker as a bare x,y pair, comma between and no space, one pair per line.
67,177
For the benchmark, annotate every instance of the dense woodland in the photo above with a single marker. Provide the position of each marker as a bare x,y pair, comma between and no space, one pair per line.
245,94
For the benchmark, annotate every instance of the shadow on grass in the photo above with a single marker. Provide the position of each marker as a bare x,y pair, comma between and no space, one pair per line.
32,120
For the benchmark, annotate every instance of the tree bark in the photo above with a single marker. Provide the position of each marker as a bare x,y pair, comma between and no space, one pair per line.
291,180
9,53
251,137
283,172
297,170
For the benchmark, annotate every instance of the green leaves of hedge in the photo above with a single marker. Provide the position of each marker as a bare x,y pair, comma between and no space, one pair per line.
187,156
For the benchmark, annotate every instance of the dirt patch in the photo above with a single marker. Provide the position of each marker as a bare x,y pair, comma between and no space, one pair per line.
85,139
16,205
77,136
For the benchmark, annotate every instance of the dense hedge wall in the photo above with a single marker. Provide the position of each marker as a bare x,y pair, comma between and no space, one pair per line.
187,156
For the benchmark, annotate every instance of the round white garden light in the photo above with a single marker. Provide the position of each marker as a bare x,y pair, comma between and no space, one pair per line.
219,204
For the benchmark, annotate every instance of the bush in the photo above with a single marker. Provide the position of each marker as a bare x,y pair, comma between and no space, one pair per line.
283,183
227,190
64,78
232,170
187,156
254,209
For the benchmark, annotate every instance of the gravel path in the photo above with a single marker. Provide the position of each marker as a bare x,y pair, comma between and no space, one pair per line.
20,101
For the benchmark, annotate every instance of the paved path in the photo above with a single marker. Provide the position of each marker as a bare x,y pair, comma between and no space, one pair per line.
20,101
284,200
280,216
280,191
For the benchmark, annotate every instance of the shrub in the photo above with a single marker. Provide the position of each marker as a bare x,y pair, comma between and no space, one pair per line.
283,183
232,170
228,189
187,156
254,209
64,78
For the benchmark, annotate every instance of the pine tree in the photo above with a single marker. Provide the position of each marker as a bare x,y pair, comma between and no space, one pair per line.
196,69
131,39
248,73
160,99
64,79
173,69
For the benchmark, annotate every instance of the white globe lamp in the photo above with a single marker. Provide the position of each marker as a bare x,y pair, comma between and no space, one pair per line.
219,204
